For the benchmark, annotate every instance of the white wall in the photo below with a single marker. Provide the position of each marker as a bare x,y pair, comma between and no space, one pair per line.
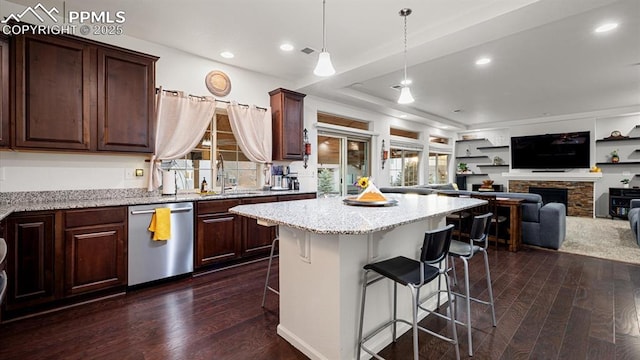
175,70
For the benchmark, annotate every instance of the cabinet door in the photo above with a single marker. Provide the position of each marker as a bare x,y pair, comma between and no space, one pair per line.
52,93
126,88
287,111
30,262
94,258
4,91
217,238
257,239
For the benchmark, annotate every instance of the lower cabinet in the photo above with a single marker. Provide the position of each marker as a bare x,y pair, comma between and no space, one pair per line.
222,237
31,260
257,239
217,233
94,250
54,257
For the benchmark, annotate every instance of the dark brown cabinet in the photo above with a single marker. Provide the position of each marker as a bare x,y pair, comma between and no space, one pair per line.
4,91
257,239
296,197
94,250
30,260
75,94
126,88
287,116
217,233
53,92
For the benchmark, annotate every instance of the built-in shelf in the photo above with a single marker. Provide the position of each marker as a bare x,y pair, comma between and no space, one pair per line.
492,147
621,139
468,140
472,174
619,163
472,157
492,165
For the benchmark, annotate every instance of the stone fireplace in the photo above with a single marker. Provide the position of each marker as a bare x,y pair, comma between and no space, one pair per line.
580,194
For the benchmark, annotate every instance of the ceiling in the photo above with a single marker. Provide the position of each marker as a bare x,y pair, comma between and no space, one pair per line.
546,59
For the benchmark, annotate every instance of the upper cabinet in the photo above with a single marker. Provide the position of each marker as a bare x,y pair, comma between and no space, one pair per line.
126,89
53,93
4,91
75,94
287,109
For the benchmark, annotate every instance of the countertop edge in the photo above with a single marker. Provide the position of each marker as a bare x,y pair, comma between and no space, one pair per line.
7,210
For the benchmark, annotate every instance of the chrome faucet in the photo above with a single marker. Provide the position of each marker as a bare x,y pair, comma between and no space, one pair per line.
220,166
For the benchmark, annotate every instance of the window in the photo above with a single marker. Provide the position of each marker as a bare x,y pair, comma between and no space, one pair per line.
404,167
239,171
438,168
201,163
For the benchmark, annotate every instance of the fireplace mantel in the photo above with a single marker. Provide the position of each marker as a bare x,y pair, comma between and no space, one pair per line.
553,176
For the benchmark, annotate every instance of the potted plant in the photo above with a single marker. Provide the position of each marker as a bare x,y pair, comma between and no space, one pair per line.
614,156
625,183
463,168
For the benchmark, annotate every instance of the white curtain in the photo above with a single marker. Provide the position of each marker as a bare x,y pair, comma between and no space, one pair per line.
181,121
252,128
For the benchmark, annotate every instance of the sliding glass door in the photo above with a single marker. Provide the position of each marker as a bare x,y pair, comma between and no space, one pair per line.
341,161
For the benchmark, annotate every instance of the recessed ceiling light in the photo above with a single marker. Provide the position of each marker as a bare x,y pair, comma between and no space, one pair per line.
606,27
483,61
406,82
227,55
286,47
403,116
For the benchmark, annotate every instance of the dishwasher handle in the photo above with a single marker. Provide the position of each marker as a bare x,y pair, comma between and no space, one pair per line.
140,212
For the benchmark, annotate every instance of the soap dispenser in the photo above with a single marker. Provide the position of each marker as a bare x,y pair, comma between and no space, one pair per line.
203,186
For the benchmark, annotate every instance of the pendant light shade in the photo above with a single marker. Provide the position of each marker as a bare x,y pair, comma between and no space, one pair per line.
324,66
405,93
405,96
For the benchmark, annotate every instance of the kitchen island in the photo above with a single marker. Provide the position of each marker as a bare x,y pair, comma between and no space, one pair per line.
323,246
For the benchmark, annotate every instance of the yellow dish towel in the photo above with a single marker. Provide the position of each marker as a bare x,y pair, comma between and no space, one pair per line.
160,224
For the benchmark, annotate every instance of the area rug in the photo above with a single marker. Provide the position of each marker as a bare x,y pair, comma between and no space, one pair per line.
601,238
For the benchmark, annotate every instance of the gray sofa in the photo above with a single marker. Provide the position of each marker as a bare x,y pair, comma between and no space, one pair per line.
634,218
542,225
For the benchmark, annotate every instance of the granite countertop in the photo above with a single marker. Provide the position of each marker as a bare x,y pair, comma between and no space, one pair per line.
6,210
332,216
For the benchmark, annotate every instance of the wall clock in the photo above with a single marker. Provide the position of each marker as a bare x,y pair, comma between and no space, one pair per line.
218,83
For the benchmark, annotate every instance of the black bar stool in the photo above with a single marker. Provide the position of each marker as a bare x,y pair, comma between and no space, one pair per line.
266,281
413,274
478,242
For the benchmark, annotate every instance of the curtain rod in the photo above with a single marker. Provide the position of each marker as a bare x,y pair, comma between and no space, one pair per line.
175,92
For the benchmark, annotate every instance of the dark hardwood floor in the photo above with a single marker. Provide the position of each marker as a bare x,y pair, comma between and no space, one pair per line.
549,305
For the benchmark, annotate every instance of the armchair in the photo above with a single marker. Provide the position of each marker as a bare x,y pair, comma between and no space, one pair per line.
634,218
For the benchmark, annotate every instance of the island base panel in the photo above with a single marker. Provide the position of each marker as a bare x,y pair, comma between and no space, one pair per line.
321,284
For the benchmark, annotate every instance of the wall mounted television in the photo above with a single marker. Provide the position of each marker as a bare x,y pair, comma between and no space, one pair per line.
551,151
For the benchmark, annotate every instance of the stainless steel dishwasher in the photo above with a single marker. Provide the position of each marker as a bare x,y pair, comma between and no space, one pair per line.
151,260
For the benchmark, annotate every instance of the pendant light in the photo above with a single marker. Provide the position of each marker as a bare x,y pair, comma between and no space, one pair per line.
405,93
324,66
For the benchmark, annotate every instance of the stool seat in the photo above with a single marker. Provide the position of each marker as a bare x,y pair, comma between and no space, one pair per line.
403,270
463,249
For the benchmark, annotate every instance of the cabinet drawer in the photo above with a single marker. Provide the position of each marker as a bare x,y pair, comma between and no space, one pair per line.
216,206
296,197
97,216
260,200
